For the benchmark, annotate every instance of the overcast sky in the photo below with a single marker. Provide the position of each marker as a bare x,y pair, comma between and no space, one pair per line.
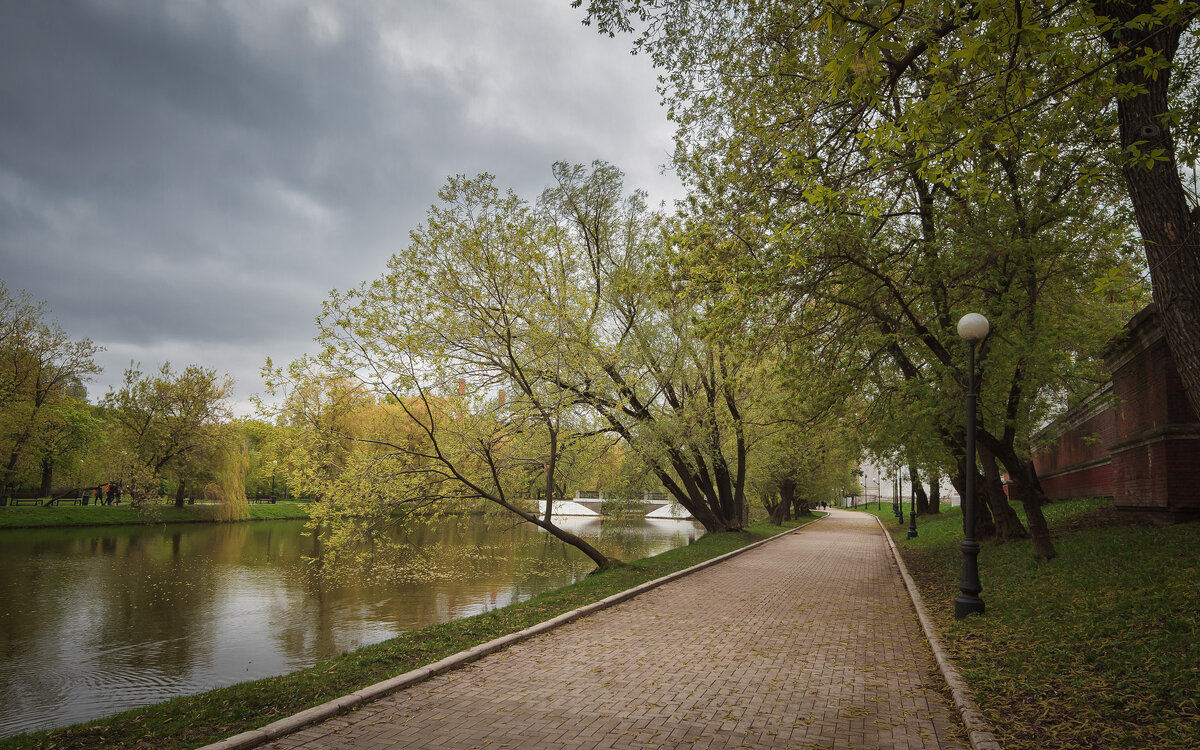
186,180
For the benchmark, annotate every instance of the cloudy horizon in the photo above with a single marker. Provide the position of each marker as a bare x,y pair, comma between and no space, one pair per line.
186,181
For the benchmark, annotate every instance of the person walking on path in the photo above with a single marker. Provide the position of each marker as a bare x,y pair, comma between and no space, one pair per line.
809,641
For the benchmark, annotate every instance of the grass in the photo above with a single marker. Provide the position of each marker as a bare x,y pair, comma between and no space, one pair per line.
1098,648
40,516
211,716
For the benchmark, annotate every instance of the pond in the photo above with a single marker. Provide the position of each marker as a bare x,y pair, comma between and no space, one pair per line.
94,621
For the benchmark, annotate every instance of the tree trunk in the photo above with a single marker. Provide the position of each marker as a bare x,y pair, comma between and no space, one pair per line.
779,510
10,470
1165,220
935,493
985,523
579,543
47,488
179,494
922,498
703,504
1032,500
1008,523
550,467
1028,490
985,527
787,497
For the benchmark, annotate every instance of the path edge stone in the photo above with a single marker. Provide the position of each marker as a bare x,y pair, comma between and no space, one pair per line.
978,730
288,724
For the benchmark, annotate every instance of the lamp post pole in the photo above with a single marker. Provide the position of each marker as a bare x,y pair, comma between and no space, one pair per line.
895,513
912,512
973,327
897,490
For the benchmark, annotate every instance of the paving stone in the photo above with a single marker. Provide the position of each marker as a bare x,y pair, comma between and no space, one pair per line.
807,642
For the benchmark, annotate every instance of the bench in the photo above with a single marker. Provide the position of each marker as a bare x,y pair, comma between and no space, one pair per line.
16,498
72,499
37,498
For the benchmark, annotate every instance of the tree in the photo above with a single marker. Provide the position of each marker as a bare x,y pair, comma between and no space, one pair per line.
263,476
643,353
41,376
169,422
471,308
70,427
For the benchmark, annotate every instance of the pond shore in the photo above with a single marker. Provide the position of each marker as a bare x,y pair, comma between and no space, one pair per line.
194,720
54,516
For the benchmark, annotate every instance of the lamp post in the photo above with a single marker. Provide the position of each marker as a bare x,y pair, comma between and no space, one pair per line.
912,512
973,327
897,503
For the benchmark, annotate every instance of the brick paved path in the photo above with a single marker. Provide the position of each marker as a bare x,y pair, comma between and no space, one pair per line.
807,642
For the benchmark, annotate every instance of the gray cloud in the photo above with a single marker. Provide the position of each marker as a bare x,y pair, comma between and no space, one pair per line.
187,180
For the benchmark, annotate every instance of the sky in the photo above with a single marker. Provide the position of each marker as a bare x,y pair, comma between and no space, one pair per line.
185,181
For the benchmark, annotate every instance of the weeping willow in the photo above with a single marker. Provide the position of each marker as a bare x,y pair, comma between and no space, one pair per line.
229,487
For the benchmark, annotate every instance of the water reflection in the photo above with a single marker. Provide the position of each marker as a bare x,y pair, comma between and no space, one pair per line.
94,621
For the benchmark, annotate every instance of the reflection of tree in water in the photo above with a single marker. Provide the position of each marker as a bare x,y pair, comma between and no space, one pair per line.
632,539
116,612
465,549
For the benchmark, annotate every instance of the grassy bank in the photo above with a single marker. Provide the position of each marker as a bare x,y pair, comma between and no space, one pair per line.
41,516
196,720
1098,648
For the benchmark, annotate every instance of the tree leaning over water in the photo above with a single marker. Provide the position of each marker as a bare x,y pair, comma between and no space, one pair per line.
507,340
447,351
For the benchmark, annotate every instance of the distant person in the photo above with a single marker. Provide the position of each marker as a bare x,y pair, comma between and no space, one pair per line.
99,494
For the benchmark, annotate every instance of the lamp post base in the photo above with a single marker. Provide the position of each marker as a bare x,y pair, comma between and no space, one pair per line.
912,534
967,605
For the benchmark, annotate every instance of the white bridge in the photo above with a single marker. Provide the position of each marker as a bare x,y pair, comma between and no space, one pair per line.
585,506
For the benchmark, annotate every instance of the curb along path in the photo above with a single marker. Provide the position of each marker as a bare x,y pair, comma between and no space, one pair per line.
807,642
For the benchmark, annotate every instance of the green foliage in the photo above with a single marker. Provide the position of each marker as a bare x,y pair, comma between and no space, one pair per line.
864,174
622,507
803,455
230,484
165,423
43,424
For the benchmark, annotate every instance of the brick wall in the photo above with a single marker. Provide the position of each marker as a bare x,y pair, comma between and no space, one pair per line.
1137,441
1072,459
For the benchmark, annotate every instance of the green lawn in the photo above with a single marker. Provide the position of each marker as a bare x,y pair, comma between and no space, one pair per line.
34,516
1099,648
208,717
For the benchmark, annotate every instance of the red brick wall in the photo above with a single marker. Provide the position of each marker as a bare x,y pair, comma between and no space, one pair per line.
1072,459
1148,455
1096,481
